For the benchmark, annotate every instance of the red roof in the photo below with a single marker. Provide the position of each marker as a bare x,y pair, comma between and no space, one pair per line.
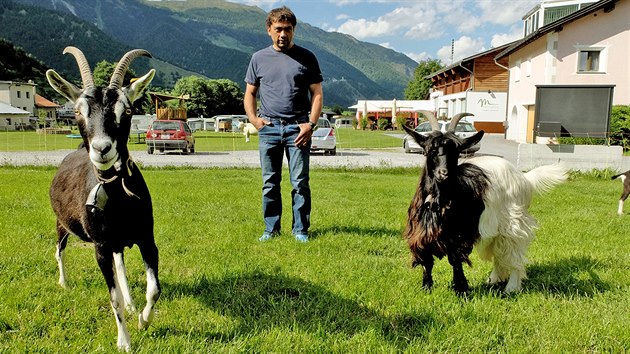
44,103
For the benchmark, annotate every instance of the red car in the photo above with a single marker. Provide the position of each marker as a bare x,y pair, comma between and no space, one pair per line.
170,135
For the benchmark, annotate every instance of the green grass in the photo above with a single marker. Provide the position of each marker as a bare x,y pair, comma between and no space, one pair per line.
205,141
350,289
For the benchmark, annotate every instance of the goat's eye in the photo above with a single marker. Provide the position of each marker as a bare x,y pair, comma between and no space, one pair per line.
76,112
128,111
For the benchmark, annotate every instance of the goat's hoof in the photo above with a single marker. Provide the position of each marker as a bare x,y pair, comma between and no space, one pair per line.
461,289
131,308
512,289
142,323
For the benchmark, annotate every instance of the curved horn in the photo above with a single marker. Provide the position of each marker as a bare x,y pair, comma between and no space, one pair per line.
123,64
431,117
455,120
84,67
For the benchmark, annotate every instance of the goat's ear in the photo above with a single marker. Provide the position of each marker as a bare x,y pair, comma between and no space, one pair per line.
64,87
135,89
419,138
471,140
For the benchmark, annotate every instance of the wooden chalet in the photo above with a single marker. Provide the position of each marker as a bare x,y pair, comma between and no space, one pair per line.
162,111
477,85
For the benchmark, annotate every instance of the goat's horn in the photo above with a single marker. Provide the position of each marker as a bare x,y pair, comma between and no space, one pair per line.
455,120
123,64
431,117
84,67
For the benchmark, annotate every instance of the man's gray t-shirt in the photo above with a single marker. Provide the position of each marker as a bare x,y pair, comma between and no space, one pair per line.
283,80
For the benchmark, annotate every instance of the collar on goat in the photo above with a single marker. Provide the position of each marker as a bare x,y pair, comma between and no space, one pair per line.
117,174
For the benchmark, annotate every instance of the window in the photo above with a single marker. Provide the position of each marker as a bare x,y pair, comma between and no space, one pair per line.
588,61
19,94
517,71
28,94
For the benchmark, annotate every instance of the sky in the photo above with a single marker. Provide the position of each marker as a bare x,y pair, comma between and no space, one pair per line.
421,29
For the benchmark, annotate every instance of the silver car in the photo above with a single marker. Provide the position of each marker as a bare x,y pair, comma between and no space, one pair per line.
324,138
463,130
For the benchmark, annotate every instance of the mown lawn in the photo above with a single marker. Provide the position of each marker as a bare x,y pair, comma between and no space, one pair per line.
350,289
205,141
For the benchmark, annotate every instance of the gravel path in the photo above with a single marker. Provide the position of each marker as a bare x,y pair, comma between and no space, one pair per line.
348,158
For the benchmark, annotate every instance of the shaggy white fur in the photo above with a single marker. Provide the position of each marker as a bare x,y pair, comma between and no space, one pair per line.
505,226
247,129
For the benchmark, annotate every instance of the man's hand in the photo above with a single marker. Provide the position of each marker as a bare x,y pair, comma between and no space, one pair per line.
260,123
305,135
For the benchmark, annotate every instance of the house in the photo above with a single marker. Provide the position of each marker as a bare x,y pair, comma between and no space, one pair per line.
476,85
549,11
13,118
18,94
373,110
45,109
586,51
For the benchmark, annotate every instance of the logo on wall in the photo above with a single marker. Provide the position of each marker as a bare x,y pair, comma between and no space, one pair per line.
487,105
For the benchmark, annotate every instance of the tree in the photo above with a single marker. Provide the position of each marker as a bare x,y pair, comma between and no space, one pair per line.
418,87
210,97
102,75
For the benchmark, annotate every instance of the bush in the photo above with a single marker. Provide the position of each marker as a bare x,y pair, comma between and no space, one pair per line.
363,123
383,124
620,126
355,123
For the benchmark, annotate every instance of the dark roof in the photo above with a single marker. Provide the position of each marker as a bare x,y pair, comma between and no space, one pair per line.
470,58
607,5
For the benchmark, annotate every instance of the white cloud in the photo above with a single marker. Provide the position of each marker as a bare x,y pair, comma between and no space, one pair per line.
363,28
500,39
504,12
418,57
463,48
342,17
386,45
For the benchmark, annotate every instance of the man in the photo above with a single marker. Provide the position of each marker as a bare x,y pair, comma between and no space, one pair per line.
284,75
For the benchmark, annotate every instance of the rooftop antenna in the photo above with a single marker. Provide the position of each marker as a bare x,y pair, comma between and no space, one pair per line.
452,50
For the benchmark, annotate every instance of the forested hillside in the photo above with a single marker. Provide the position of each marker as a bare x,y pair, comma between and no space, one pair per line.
212,37
18,65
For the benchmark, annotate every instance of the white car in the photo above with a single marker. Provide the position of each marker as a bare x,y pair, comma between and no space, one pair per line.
464,129
324,138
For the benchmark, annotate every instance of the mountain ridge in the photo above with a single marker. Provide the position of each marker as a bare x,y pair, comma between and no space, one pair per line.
216,39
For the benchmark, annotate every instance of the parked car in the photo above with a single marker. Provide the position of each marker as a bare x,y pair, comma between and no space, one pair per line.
324,138
464,129
170,135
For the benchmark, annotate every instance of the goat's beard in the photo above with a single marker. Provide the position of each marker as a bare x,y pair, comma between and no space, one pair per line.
109,160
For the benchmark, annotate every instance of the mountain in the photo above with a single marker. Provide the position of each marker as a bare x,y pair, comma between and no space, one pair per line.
213,38
18,65
22,25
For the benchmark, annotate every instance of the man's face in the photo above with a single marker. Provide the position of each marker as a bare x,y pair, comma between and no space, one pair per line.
281,33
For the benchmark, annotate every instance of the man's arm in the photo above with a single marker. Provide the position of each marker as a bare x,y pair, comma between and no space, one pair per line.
249,103
317,101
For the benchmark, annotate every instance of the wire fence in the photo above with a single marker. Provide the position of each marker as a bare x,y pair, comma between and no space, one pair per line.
64,139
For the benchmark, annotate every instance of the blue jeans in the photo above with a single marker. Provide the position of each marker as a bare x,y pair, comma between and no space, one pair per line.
274,141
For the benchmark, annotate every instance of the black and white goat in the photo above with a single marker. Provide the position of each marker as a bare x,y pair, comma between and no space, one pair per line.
625,180
481,202
99,194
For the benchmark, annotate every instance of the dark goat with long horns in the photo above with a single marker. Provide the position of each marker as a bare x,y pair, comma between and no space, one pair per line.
481,202
98,192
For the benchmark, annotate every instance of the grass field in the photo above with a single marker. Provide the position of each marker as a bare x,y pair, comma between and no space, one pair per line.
205,141
350,289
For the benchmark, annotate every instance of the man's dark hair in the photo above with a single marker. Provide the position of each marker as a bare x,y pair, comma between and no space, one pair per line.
281,14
